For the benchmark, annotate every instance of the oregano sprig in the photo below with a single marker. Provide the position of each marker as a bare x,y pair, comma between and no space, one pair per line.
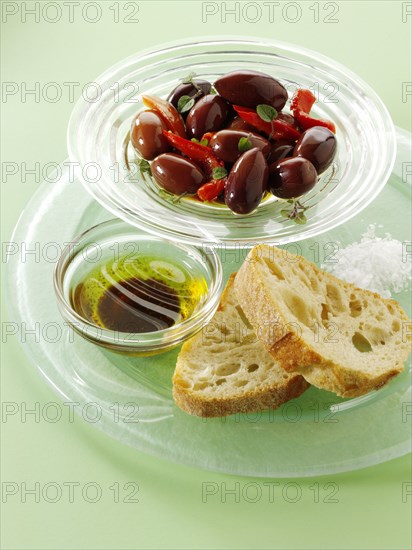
244,144
144,167
268,114
296,213
185,103
219,172
189,78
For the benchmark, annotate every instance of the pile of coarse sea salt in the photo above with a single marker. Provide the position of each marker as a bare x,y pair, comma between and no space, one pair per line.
380,264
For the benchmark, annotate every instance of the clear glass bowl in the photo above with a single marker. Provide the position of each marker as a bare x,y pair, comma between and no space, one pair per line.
365,133
117,246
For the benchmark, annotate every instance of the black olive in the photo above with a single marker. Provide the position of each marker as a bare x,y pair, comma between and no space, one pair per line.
208,115
196,89
281,149
251,88
177,174
292,177
317,144
225,144
239,124
146,135
247,182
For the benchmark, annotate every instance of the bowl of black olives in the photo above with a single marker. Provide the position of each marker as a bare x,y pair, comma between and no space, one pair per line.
232,141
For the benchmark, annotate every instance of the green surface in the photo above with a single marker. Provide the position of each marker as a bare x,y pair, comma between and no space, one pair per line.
176,507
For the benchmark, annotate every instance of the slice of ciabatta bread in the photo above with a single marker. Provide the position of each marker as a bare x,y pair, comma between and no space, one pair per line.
225,369
339,337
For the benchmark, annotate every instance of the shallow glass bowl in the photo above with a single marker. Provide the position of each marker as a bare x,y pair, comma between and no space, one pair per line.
100,123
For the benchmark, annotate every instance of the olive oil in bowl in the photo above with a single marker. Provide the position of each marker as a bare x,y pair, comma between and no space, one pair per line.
138,294
134,293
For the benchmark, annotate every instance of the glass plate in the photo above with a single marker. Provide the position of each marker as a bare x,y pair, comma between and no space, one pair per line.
130,397
101,121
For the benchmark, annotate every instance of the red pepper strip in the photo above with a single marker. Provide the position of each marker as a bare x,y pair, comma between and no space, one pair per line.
306,122
277,129
302,101
301,104
208,136
167,113
211,190
207,160
204,156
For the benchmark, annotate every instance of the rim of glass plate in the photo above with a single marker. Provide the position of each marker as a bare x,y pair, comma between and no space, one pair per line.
366,461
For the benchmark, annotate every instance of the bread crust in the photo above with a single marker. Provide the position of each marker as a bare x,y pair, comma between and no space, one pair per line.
292,350
267,396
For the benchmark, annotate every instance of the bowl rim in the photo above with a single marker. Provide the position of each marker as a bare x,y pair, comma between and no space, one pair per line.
388,130
134,340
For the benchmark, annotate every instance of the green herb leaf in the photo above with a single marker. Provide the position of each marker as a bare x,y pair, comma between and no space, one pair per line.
219,172
213,91
300,218
244,144
185,103
266,112
188,79
204,142
296,212
144,166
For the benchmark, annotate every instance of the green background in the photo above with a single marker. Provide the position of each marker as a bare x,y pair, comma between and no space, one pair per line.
370,38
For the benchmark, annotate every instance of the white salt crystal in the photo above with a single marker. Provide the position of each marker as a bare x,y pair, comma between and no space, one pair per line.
380,264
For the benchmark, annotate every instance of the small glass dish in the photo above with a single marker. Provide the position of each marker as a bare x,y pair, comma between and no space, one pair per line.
94,257
364,130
